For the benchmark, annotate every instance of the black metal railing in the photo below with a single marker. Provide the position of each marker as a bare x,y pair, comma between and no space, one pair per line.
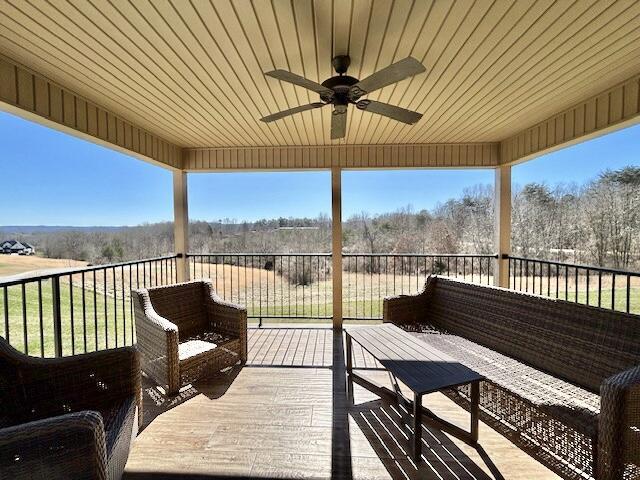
601,287
77,310
86,309
278,286
368,278
271,285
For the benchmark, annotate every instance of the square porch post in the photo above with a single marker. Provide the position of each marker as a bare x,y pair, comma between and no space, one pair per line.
181,224
502,225
336,244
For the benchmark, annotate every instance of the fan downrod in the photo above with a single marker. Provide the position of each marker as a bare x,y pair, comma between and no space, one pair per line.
341,64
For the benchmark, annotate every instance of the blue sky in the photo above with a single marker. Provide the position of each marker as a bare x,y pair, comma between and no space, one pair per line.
55,179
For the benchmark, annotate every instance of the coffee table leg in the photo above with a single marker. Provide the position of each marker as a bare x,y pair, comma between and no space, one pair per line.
475,410
417,427
349,361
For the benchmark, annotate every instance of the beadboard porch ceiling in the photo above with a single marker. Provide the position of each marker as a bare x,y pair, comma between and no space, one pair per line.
191,72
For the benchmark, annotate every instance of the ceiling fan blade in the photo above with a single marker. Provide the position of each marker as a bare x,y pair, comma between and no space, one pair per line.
291,111
338,124
388,75
300,81
391,111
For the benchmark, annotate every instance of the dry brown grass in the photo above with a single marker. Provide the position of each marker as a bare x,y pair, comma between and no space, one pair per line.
18,264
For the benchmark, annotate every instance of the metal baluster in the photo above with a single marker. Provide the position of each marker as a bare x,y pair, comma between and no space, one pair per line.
472,271
124,306
245,281
57,317
40,318
95,311
24,319
84,312
5,295
613,291
599,288
464,268
106,322
628,291
115,301
260,290
541,278
132,318
71,319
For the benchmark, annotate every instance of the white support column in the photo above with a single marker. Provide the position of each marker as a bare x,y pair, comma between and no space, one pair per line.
502,225
181,224
336,244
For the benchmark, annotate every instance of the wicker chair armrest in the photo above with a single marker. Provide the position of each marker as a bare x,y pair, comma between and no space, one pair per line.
406,311
157,340
226,317
619,424
62,447
53,386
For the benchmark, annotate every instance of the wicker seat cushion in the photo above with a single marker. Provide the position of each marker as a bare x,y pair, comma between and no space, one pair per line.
200,344
194,348
571,404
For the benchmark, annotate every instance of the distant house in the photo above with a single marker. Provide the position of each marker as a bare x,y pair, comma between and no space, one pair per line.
16,247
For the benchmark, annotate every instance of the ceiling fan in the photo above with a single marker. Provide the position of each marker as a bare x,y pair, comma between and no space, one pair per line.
341,90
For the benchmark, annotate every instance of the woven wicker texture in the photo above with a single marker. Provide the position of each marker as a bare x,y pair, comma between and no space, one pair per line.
70,417
551,366
185,331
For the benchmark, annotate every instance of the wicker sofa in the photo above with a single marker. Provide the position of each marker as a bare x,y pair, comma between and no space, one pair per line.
563,380
185,332
68,418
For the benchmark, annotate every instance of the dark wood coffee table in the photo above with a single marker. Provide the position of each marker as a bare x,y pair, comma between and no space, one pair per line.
419,366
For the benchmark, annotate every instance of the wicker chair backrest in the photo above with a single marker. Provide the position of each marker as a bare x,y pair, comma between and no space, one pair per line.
13,403
581,344
182,304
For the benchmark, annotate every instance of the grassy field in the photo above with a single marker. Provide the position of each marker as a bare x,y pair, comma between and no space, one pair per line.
17,264
106,321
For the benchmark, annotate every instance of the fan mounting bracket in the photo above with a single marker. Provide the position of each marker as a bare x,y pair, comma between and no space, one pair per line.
341,64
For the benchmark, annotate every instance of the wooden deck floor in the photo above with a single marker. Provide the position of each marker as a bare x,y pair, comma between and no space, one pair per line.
286,415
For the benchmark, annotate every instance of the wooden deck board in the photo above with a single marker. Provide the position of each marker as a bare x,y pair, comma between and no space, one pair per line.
286,415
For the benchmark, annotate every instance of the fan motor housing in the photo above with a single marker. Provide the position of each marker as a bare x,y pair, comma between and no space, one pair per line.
340,86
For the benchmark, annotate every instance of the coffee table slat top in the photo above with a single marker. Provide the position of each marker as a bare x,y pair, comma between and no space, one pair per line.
421,367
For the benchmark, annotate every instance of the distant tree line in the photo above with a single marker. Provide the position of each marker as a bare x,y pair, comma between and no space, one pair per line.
597,223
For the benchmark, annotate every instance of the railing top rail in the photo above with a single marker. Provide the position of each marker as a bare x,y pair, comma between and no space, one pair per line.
19,279
269,254
420,255
579,266
435,255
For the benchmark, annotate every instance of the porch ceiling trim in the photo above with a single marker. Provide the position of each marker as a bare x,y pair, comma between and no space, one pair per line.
610,110
344,156
34,96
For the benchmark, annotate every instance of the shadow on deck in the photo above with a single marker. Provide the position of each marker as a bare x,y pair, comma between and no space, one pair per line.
286,414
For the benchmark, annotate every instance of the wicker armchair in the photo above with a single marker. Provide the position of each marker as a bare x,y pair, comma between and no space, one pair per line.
185,331
71,417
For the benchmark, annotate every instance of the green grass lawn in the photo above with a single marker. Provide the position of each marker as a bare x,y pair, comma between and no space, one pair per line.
620,300
100,330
